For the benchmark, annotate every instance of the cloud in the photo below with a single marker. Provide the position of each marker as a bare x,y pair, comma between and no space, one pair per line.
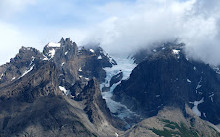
9,37
10,7
131,26
120,26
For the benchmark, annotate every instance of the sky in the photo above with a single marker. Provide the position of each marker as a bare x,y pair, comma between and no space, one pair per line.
120,26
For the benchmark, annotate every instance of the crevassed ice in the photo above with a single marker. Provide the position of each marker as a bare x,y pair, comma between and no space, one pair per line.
126,66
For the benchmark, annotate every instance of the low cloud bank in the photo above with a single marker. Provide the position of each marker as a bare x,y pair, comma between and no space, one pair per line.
133,26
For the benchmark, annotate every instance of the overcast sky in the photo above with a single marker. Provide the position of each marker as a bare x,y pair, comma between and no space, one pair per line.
116,24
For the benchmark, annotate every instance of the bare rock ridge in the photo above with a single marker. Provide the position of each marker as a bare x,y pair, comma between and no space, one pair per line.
57,93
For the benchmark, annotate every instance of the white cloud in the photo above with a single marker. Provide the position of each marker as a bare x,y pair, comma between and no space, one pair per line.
126,26
9,43
131,26
10,7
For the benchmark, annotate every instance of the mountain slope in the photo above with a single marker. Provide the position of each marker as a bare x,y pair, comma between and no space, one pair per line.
167,78
171,122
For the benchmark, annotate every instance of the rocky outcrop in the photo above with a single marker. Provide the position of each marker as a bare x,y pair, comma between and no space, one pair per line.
116,78
171,122
41,81
23,61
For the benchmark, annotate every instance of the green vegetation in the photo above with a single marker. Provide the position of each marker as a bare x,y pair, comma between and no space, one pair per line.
176,130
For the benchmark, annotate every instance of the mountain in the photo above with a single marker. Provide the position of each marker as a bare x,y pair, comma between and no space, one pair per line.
37,96
166,77
68,90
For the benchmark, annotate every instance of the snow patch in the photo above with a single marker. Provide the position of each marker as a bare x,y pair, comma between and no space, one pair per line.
63,89
188,80
1,76
52,53
199,85
32,61
45,58
99,57
62,63
13,78
175,51
53,44
194,68
66,53
195,108
87,79
211,97
91,50
27,71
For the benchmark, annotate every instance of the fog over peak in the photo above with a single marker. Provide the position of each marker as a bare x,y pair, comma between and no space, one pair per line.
193,22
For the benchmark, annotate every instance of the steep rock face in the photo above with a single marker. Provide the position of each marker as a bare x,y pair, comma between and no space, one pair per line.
76,64
168,78
92,63
96,107
41,81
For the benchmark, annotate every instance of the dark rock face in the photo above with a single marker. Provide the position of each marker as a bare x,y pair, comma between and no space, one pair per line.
167,78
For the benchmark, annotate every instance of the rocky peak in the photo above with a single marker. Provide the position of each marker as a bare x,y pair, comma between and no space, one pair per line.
164,50
21,63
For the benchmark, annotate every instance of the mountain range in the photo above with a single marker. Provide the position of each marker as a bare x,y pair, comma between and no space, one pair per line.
68,90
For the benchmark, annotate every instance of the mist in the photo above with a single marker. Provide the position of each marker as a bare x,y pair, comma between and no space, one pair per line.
139,25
